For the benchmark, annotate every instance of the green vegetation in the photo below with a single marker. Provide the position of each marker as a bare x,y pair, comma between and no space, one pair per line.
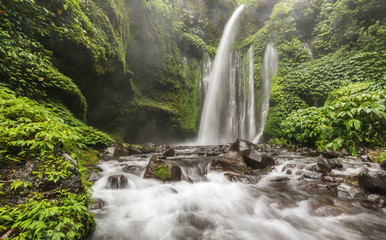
162,172
31,131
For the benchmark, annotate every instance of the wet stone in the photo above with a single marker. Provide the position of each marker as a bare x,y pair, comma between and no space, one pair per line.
373,181
169,153
346,190
148,148
323,165
280,179
257,160
330,154
312,175
117,182
98,204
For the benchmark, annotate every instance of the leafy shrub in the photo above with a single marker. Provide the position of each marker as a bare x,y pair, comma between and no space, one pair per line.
356,118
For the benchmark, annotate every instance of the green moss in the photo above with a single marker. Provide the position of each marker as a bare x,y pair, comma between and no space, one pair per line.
163,172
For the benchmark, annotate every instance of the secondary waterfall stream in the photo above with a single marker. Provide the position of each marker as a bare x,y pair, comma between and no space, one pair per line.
208,205
269,68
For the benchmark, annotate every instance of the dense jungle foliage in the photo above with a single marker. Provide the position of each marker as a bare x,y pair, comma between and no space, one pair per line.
123,66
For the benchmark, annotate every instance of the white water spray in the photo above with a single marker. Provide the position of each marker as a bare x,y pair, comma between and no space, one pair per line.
210,129
269,68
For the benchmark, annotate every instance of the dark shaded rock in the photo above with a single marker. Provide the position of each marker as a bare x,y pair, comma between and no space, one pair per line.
226,148
135,149
161,148
148,148
365,158
154,166
176,173
242,145
241,178
95,176
107,153
288,167
323,165
280,179
231,161
330,154
373,181
257,160
213,153
332,179
374,201
169,153
347,190
310,153
119,149
383,165
312,175
335,163
117,182
128,169
98,204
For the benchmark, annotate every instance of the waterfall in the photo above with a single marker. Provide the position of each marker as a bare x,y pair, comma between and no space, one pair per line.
251,104
269,68
211,130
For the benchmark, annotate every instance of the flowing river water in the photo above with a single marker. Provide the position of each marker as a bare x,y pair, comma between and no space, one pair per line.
205,204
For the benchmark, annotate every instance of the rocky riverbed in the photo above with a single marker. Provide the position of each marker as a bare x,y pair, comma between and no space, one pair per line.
238,191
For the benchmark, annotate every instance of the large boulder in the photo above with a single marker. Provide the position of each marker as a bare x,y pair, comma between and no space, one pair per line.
230,162
257,160
162,169
148,148
373,181
242,145
383,165
169,153
323,165
330,154
117,182
119,150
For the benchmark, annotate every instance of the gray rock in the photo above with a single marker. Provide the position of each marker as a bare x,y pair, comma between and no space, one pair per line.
346,190
148,148
242,145
231,161
98,204
383,165
169,153
330,154
323,165
312,175
117,182
257,160
373,181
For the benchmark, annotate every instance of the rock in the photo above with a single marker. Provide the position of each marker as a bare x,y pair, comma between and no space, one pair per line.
346,190
176,173
107,153
161,148
374,156
241,178
332,179
330,154
280,179
335,163
95,176
231,161
383,165
312,175
242,145
148,148
98,204
323,165
310,153
128,169
344,152
373,181
212,154
162,169
169,153
117,182
226,148
135,149
257,160
119,149
288,167
365,158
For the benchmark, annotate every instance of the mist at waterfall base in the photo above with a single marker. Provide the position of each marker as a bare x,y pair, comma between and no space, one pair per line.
207,205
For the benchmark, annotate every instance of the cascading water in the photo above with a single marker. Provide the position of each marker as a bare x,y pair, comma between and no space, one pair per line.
211,130
251,104
269,68
207,205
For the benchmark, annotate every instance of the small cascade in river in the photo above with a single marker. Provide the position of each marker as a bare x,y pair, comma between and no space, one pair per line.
269,68
211,125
